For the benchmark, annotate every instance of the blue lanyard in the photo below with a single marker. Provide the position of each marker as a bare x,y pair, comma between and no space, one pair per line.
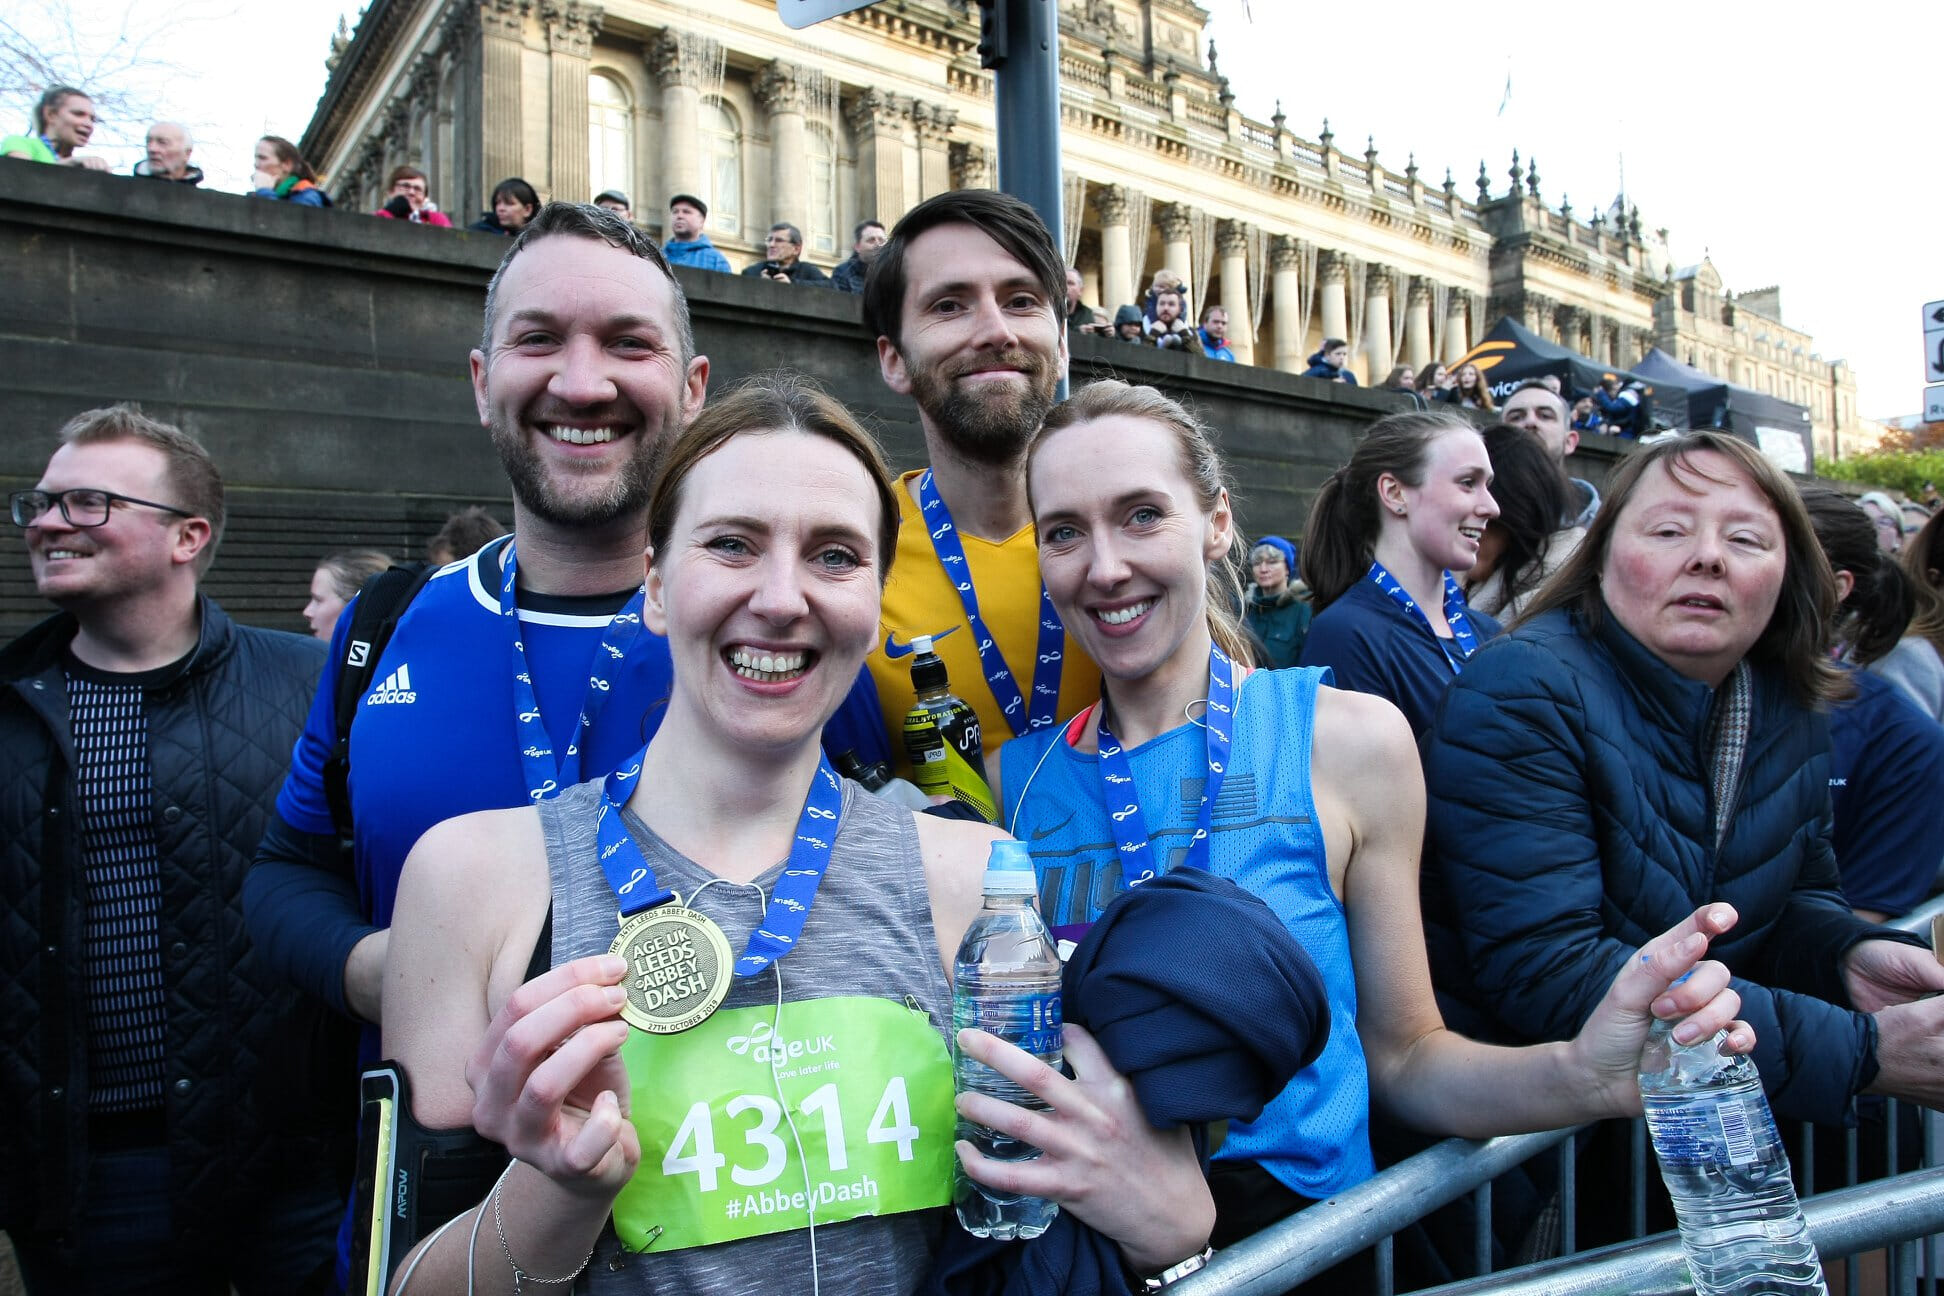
790,900
1463,637
545,777
1052,633
1118,788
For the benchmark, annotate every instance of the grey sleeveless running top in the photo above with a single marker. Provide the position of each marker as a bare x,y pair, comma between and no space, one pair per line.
869,933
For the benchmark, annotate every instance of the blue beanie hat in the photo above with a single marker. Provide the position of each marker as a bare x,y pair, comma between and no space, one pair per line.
1281,546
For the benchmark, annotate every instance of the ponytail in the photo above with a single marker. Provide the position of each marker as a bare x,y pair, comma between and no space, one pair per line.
1340,538
1881,600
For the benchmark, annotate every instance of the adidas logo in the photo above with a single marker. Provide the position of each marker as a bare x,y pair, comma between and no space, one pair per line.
396,688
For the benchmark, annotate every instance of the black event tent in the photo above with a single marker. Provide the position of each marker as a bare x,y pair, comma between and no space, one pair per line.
1512,353
1776,426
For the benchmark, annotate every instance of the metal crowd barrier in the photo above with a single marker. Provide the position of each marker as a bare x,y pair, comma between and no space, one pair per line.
1897,1212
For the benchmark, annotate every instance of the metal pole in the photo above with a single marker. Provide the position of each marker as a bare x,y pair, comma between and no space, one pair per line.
1022,47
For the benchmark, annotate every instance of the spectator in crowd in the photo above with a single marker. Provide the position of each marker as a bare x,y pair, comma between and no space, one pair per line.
1542,411
1170,330
1551,383
1586,416
1915,515
1389,536
1432,381
1526,542
617,202
153,1143
1886,517
411,199
515,204
283,175
1623,409
1214,334
1400,379
1930,497
1469,390
877,932
1079,315
1164,281
785,263
63,121
335,583
1916,664
866,239
1276,609
168,149
1646,740
1330,844
967,304
1128,326
1331,362
687,245
1886,766
465,533
570,600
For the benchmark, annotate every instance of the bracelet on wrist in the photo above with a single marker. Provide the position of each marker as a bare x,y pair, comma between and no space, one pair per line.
520,1276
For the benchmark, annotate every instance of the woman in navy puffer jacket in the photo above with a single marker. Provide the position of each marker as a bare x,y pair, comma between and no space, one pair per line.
1648,739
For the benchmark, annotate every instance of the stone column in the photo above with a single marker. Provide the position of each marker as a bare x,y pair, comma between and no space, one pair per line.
877,119
1116,259
932,125
1232,247
1176,254
779,89
570,41
1286,298
1331,273
1377,324
681,104
502,29
1456,343
1417,324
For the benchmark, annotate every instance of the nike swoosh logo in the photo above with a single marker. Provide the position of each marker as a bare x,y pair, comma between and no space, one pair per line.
1042,836
894,650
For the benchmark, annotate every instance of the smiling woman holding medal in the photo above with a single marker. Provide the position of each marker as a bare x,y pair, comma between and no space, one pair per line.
1306,795
739,1051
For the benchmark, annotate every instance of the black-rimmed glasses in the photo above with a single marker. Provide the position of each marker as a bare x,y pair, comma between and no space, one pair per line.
83,506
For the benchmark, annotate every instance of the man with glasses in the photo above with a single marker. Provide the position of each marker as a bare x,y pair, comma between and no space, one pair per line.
784,247
143,738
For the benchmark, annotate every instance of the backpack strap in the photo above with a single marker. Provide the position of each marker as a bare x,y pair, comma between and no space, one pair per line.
381,601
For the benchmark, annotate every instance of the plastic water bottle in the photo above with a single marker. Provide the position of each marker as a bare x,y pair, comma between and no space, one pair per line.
1006,982
1724,1166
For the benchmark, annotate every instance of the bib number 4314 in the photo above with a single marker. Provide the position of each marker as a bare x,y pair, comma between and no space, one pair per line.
694,1148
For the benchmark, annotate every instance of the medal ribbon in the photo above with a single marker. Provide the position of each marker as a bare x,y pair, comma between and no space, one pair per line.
546,776
1123,799
636,889
1463,637
1052,633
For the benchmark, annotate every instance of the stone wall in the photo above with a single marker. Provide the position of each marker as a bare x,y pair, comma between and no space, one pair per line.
322,358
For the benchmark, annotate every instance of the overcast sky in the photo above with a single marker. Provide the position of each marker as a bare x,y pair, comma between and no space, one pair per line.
1795,145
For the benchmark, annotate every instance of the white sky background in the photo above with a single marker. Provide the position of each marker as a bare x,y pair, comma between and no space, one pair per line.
1799,145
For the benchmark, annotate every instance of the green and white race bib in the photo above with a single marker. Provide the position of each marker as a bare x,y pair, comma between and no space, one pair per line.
868,1083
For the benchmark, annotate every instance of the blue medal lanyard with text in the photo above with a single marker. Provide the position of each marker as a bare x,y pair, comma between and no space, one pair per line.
546,776
1044,708
1464,639
1123,798
636,889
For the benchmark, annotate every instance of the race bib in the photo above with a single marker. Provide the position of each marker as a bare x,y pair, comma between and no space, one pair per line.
868,1086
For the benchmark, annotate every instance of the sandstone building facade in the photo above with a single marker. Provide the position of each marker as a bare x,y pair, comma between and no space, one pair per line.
868,114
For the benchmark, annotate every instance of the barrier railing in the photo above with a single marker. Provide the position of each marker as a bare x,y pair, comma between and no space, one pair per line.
1895,1212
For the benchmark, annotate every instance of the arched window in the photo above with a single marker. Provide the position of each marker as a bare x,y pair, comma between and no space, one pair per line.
722,167
820,227
610,135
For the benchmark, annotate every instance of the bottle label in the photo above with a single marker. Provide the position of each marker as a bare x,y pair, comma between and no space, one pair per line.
1032,1022
745,1131
1726,1129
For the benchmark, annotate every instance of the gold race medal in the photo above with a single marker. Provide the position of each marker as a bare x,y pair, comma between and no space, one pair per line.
678,968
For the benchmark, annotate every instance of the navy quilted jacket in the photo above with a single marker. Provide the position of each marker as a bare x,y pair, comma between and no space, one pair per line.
220,736
1570,821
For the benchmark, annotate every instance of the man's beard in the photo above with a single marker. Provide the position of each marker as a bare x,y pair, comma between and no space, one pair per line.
623,492
987,424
